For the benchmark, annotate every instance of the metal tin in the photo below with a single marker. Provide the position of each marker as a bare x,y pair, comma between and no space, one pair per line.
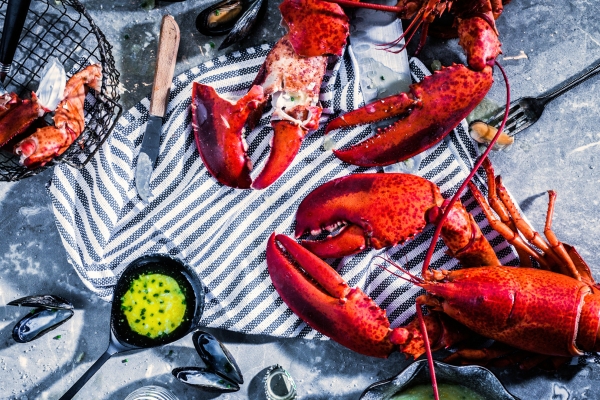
279,384
151,393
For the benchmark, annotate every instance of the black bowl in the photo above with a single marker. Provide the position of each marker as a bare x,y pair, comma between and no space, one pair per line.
188,281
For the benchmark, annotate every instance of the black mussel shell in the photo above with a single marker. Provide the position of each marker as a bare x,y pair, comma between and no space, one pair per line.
205,379
219,18
45,301
38,322
234,16
216,356
245,24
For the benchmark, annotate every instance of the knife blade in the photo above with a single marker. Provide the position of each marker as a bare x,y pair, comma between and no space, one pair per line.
168,44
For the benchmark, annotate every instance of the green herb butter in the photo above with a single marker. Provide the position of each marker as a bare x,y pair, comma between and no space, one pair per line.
154,305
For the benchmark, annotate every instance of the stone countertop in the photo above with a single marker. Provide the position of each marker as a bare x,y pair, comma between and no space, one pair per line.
543,43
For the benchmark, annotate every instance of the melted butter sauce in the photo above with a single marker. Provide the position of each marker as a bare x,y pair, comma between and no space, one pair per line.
447,392
154,305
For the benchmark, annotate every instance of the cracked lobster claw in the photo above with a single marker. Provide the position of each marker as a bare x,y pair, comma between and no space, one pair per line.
346,315
218,128
293,84
428,113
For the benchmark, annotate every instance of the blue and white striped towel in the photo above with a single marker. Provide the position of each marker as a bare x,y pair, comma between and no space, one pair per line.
222,232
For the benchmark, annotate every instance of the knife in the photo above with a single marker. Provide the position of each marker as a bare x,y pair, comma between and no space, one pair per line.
168,43
16,13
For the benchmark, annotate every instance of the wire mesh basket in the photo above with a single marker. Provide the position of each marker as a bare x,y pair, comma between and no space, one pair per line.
63,29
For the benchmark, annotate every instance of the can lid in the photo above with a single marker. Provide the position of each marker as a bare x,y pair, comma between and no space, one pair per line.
279,384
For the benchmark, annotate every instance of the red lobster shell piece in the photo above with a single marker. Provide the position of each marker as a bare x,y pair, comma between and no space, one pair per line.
315,27
69,121
16,116
383,210
432,109
293,83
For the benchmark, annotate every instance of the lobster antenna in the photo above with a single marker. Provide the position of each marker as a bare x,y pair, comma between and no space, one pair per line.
423,327
438,228
415,280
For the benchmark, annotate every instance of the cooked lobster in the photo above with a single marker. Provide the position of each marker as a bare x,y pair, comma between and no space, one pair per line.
69,121
291,77
550,313
294,70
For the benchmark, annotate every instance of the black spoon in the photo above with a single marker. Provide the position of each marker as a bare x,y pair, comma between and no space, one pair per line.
122,338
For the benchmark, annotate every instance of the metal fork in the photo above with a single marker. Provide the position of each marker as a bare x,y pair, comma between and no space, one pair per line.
525,111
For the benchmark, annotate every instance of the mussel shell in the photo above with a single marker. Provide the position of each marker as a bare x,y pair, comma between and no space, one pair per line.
216,356
245,24
46,301
205,379
225,6
39,322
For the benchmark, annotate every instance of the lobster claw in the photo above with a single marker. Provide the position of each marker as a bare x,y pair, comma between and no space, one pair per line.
377,210
287,138
346,315
383,210
429,112
218,128
17,116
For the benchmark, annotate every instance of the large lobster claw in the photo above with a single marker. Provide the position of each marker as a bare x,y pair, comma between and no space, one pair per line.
346,315
317,294
383,210
429,112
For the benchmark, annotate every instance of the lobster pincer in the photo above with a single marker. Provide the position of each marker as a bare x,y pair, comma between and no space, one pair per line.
383,210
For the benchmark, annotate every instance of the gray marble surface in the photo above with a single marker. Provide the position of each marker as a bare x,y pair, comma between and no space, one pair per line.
560,152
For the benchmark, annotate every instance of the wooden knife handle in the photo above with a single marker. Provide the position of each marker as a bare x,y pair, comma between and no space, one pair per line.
168,44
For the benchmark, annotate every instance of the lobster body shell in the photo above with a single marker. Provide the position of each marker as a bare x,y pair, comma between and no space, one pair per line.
530,309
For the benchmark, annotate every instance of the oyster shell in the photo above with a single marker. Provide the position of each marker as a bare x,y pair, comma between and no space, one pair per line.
205,379
39,322
237,17
46,301
216,356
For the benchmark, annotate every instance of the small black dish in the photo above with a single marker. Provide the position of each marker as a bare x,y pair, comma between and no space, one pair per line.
122,338
478,379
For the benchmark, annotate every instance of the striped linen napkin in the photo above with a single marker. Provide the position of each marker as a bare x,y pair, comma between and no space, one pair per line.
222,232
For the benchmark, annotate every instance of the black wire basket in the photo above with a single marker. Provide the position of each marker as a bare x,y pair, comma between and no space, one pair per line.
63,29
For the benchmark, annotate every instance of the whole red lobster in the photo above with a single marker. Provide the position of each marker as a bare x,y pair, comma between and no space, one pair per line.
292,74
534,315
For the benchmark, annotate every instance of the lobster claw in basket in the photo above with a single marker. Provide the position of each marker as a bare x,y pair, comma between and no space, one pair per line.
428,113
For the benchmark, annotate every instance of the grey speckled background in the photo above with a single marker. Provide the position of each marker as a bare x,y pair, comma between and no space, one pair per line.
560,152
